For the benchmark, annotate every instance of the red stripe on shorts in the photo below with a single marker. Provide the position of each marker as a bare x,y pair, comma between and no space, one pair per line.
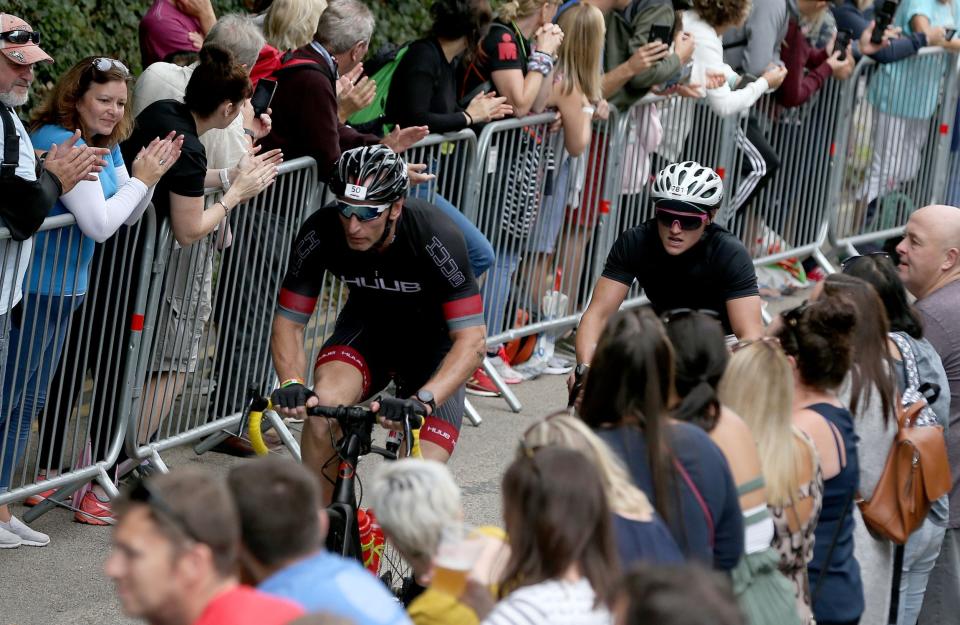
345,353
440,433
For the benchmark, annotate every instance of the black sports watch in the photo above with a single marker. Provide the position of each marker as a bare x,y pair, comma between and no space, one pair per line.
425,397
581,370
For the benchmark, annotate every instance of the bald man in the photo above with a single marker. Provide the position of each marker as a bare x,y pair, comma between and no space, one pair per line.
930,269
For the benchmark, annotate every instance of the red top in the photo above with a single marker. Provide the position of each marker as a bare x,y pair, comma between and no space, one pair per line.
806,65
243,605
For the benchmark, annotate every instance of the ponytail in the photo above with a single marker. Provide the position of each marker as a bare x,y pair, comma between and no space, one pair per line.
702,356
216,79
509,11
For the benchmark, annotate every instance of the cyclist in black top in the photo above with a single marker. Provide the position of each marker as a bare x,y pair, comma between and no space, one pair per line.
413,315
680,259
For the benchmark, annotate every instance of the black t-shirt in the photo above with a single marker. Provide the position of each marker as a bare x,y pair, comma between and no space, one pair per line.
715,270
423,90
503,48
186,176
421,283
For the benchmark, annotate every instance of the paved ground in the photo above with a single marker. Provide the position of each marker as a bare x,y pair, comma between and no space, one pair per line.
63,583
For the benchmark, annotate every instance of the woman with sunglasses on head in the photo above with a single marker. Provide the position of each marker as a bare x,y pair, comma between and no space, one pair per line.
563,562
678,467
869,391
681,259
90,96
923,546
701,358
817,338
758,385
640,533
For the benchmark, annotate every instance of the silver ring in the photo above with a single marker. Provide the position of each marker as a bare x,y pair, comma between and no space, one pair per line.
161,161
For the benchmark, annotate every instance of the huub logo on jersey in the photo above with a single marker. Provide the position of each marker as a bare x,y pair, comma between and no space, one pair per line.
448,267
379,284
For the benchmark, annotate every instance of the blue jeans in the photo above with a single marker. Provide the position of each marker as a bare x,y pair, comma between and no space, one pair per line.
496,290
478,247
34,345
919,556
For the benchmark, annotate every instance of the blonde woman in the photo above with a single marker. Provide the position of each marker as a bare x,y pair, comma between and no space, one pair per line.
290,24
791,467
640,534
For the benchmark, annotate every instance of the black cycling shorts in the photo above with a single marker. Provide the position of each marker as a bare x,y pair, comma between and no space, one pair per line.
408,357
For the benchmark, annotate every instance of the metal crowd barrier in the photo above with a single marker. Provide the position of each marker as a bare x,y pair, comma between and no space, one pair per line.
64,359
208,321
894,143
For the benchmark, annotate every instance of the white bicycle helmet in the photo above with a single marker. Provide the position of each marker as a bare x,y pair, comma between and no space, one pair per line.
688,182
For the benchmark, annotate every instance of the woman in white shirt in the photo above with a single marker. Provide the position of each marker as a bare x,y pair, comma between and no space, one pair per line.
562,555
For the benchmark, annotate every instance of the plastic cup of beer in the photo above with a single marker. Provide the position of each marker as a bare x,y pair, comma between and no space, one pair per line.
456,555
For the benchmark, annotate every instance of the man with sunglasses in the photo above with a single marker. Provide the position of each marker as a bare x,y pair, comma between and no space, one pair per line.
413,315
174,555
681,259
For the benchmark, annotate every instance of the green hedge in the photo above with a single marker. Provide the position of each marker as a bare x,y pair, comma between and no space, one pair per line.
73,29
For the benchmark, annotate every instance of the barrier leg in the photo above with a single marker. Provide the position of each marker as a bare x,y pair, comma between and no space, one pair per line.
284,433
505,391
63,494
471,414
210,442
158,462
107,484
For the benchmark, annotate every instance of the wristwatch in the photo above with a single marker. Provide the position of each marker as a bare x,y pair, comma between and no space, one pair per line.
425,397
581,370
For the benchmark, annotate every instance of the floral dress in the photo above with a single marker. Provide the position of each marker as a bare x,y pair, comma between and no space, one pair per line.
796,547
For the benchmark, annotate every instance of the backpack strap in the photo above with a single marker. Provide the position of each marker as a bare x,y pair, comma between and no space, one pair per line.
11,144
915,391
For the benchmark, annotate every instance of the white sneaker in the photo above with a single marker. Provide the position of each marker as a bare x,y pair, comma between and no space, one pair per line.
507,373
533,368
27,536
558,365
9,540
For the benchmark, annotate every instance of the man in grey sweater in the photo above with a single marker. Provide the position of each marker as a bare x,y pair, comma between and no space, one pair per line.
751,48
930,269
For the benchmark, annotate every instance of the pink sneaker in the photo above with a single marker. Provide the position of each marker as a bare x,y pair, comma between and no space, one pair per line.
93,511
481,385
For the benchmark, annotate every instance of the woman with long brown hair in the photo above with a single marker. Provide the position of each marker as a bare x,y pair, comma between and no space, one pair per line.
562,558
676,464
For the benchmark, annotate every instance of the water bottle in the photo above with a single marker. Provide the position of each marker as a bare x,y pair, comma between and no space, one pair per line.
368,540
394,440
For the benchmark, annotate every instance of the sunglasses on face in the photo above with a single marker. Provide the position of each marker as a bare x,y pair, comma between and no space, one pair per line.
103,64
143,493
846,263
364,212
687,221
677,313
772,341
20,37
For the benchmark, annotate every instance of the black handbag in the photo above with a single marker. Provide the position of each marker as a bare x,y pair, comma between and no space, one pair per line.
24,204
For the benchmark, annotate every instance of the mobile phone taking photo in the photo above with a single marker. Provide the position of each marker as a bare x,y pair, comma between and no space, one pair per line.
883,17
661,33
949,33
263,96
840,44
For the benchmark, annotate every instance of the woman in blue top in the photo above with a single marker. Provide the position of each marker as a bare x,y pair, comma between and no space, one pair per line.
641,534
817,339
680,469
91,96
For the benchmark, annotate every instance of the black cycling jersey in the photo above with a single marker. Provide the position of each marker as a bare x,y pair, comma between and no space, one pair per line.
715,270
421,282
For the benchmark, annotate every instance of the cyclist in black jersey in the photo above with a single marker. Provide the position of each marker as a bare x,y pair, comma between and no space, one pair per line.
414,313
681,259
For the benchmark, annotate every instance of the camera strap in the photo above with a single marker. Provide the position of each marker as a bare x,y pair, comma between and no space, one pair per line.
11,144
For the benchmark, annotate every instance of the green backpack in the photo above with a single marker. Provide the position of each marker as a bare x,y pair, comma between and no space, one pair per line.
382,68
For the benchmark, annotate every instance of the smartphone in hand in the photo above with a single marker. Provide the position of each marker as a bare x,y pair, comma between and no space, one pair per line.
263,96
948,33
661,33
844,36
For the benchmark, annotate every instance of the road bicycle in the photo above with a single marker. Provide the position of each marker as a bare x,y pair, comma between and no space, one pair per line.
356,425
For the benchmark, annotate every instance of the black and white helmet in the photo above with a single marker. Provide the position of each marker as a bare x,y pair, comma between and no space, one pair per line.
688,182
373,173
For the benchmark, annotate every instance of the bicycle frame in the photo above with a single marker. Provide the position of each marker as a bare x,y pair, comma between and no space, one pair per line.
343,536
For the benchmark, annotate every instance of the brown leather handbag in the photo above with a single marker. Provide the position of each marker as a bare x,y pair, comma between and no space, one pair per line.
917,471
